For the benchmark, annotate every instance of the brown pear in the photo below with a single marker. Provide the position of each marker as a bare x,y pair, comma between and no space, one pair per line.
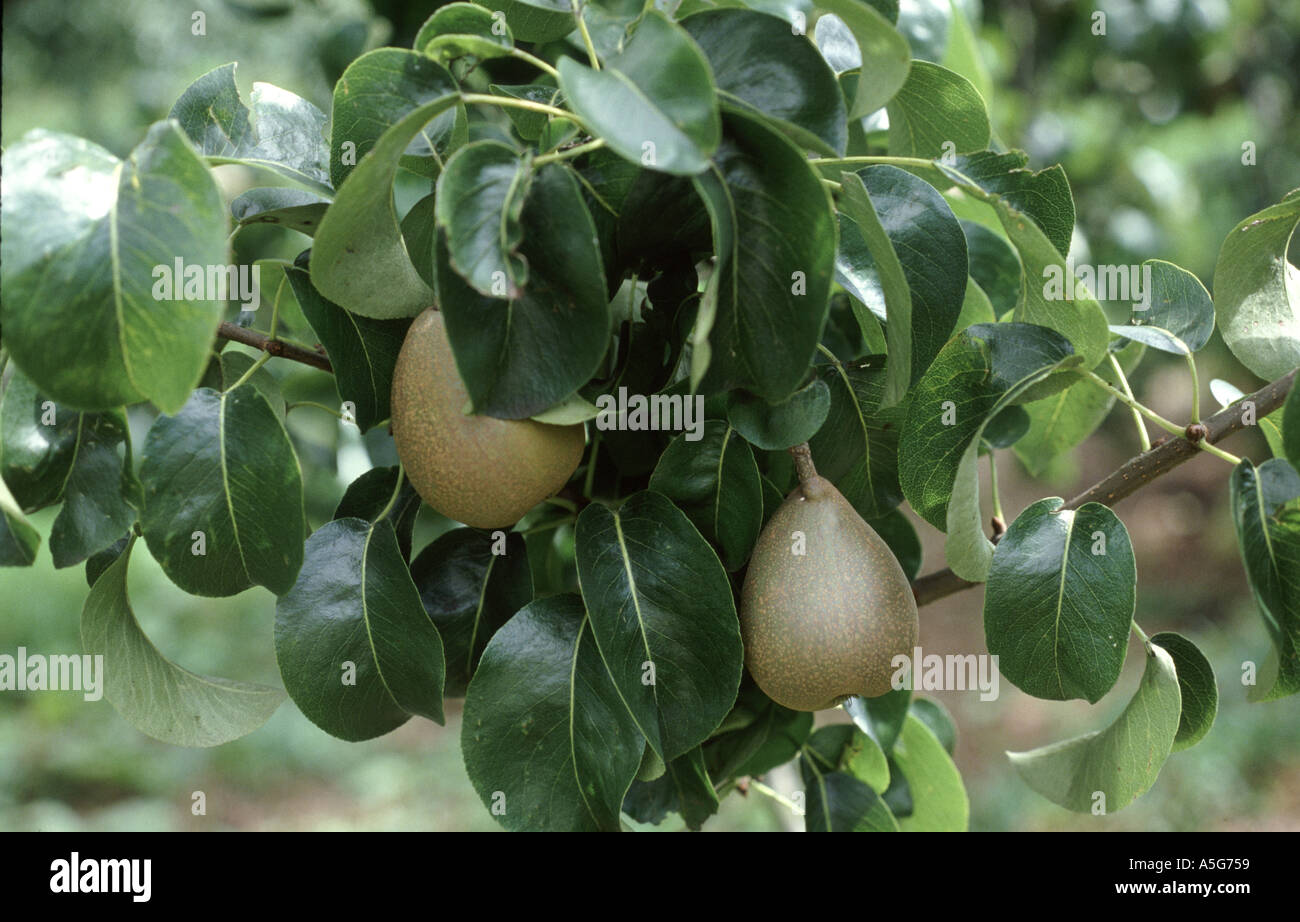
826,606
479,470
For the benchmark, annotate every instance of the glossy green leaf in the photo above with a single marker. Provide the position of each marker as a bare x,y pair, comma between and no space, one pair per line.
535,20
775,427
936,717
153,694
98,491
38,443
1059,602
1063,421
696,798
884,54
900,534
379,91
881,718
1257,290
95,228
480,198
548,743
654,103
939,801
459,29
837,798
663,616
775,236
1290,428
296,209
529,124
962,54
223,500
520,356
936,112
234,365
857,447
356,649
278,130
931,251
362,350
1043,195
715,481
471,583
1178,316
1198,690
359,260
760,64
983,369
1106,770
368,497
1267,518
994,265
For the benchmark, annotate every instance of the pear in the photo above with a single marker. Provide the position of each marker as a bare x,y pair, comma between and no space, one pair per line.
826,606
479,470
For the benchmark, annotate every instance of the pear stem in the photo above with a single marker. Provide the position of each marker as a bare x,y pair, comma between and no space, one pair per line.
803,462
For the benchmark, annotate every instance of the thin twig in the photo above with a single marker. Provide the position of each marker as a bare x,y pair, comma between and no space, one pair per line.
1135,473
276,347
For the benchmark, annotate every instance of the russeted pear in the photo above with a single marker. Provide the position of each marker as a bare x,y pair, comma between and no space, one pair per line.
826,623
479,470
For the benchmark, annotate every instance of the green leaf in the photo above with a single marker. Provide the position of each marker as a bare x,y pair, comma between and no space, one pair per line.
696,798
38,443
359,260
775,427
994,266
420,232
95,229
1059,602
378,92
857,447
654,103
774,233
19,541
935,716
715,481
527,123
1267,519
1108,769
535,20
277,131
547,741
963,55
663,616
884,53
480,198
519,356
362,350
936,112
761,65
939,801
234,365
356,650
1198,690
900,534
1043,195
471,583
1179,315
459,29
153,694
96,508
931,253
1064,421
368,498
882,717
1257,291
982,370
839,798
223,500
295,209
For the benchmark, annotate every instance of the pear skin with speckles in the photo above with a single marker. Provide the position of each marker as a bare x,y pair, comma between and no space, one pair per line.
826,623
479,470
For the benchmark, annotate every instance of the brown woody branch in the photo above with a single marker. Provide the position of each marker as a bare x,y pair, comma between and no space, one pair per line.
1137,472
277,347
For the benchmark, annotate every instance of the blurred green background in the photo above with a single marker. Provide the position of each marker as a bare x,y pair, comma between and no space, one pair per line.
1149,121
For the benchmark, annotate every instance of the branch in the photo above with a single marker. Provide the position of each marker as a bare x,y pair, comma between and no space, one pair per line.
276,347
1137,472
